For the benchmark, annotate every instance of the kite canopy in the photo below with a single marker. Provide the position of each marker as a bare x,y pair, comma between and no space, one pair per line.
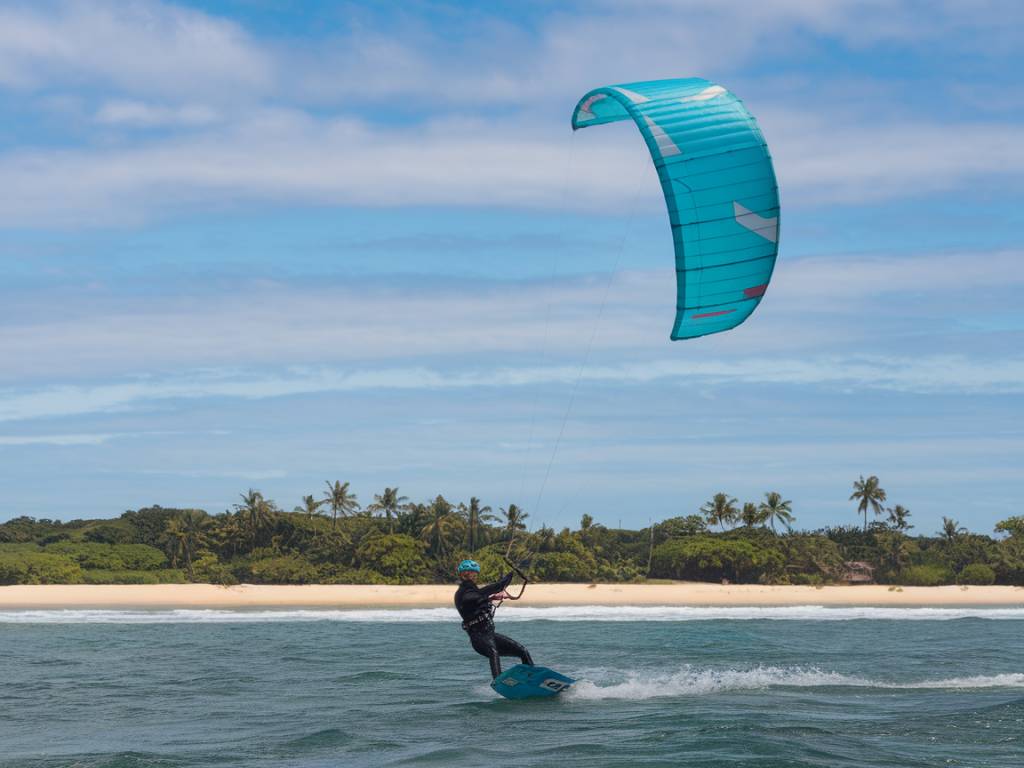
719,185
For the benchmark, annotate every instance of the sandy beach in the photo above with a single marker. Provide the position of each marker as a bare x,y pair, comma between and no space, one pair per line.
434,595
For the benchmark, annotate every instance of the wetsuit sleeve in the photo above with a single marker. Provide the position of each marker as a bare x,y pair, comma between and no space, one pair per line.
492,589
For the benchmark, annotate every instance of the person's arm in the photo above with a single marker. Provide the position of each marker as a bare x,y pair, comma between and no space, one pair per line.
499,586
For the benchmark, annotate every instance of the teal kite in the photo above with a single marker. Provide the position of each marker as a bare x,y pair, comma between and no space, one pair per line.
720,189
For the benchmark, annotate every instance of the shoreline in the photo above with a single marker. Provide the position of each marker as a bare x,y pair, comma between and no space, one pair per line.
696,594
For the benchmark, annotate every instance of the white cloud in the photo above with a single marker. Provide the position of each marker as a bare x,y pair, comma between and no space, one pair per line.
923,375
90,438
812,307
271,325
137,113
58,440
146,47
575,49
175,67
225,473
829,158
815,283
287,157
137,46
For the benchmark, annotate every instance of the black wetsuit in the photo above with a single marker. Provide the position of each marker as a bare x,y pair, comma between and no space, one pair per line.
474,606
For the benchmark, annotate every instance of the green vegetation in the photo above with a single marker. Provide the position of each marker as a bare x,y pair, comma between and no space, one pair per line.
927,576
394,541
977,573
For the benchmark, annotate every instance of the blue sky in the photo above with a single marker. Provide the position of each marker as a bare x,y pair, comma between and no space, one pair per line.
245,246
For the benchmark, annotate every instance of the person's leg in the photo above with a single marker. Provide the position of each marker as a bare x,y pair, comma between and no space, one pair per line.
483,643
508,647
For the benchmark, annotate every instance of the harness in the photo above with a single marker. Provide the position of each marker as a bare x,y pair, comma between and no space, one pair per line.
481,619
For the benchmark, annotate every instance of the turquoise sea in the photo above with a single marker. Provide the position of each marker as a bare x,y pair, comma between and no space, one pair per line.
694,687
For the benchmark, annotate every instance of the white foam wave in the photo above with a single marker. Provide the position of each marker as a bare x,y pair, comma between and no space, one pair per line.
592,613
218,616
691,681
751,613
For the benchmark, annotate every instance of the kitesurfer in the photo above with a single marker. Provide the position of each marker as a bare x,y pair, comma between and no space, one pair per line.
475,605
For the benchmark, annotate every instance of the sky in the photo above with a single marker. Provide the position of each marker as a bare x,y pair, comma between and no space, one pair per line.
248,246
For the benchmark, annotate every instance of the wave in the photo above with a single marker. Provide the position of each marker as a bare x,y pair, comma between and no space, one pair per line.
701,682
590,613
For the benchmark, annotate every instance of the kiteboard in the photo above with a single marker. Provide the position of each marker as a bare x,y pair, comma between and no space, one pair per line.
526,682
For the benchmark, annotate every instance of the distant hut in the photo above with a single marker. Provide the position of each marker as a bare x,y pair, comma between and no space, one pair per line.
857,572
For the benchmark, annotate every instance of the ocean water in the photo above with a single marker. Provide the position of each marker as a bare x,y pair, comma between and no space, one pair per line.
806,686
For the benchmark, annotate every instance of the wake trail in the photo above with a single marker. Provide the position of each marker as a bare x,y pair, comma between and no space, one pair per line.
690,681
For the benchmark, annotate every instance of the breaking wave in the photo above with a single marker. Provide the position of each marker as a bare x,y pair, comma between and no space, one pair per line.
508,614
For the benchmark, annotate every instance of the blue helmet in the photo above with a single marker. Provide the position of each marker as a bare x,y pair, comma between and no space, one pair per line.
468,565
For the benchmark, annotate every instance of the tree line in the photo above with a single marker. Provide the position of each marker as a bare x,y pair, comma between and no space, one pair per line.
331,538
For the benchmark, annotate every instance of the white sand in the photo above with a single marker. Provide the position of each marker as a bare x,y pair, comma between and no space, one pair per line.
426,596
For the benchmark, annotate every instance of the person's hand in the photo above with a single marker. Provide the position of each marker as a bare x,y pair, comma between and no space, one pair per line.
503,595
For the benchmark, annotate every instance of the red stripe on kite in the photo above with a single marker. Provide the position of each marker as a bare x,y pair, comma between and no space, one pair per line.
757,290
712,314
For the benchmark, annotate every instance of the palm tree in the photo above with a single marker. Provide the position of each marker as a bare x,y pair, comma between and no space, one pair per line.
412,517
869,494
310,506
185,534
441,528
194,524
475,515
174,540
545,539
229,533
898,518
390,503
256,511
951,530
720,510
774,507
751,515
514,518
340,500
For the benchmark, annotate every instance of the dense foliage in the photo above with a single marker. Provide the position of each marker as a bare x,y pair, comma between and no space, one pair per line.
394,541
